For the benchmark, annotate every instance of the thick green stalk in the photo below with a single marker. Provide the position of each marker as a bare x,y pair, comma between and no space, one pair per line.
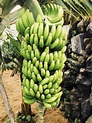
40,112
34,7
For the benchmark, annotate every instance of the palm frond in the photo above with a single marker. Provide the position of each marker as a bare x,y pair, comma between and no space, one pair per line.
77,8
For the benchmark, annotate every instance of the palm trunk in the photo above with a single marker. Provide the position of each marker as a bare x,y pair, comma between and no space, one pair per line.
40,112
6,101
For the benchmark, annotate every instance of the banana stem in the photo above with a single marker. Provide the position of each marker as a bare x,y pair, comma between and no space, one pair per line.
40,112
34,7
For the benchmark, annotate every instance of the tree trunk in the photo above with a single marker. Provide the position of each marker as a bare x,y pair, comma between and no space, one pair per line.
6,101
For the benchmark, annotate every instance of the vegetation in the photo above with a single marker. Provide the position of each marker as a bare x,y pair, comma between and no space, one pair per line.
10,58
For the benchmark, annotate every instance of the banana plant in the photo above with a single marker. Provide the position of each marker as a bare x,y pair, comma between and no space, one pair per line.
35,8
77,9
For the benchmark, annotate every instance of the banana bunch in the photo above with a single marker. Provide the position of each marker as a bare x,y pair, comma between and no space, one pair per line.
25,20
43,49
53,13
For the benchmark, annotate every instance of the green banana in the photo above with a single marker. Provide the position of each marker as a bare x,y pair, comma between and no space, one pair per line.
40,30
39,78
47,50
21,25
41,42
29,101
24,82
37,64
27,31
63,49
49,40
48,96
46,32
24,71
47,105
45,86
29,63
31,39
35,70
27,83
59,80
52,65
51,90
23,76
42,72
55,55
46,91
53,104
32,93
25,46
37,54
32,55
38,94
25,63
35,88
51,57
47,74
36,40
27,96
31,67
52,99
31,29
54,44
49,100
18,27
29,48
26,91
55,86
34,47
30,17
28,55
34,76
53,30
45,66
36,27
58,90
51,78
44,81
63,34
50,85
57,64
22,52
22,44
42,57
29,74
25,20
39,19
40,89
32,83
34,60
42,96
60,46
55,77
58,32
21,12
46,58
63,58
40,66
